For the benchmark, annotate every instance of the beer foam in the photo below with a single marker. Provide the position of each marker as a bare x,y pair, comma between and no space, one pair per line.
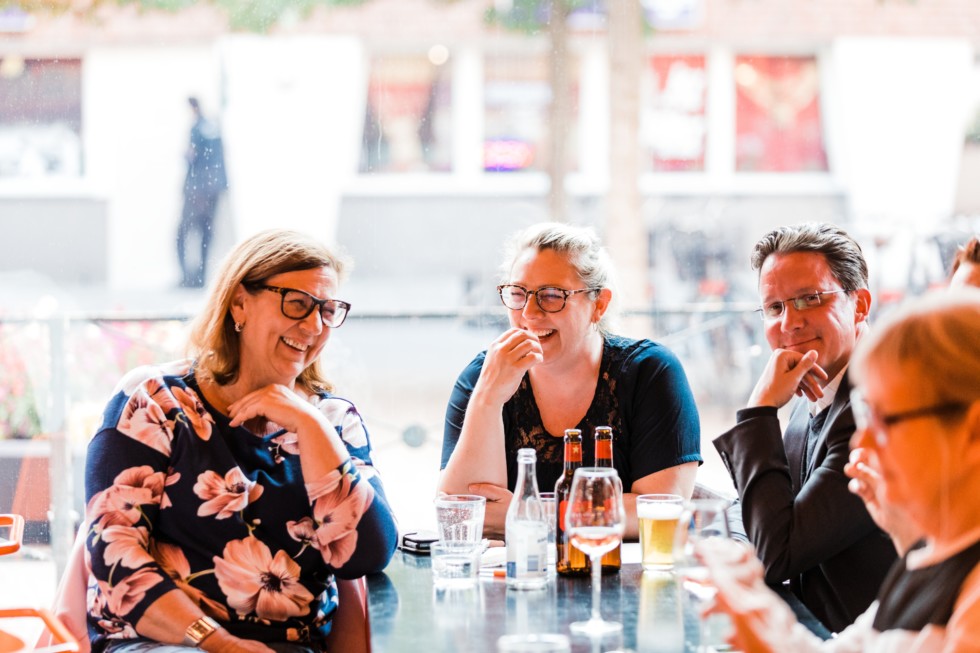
658,510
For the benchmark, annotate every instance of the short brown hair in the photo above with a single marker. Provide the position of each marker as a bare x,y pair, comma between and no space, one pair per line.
214,343
968,253
843,254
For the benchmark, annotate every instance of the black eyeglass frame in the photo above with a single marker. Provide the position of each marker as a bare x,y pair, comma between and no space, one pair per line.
527,293
799,303
317,304
865,416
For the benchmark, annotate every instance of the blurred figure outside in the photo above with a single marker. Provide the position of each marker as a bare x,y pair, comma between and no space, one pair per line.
205,181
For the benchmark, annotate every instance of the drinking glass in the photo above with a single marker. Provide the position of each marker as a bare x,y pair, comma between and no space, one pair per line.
700,520
548,501
657,516
460,517
595,521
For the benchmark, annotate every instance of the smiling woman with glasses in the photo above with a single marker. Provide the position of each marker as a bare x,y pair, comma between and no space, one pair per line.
917,407
248,485
559,366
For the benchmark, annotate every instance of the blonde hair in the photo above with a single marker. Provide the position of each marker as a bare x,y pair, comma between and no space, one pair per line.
584,251
213,341
938,336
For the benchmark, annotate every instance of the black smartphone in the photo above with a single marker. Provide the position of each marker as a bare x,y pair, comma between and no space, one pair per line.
418,542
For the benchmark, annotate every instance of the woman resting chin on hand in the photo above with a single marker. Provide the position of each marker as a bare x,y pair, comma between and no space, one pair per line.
226,494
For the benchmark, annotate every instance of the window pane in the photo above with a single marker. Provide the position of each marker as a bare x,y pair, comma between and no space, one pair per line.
673,123
778,126
40,117
517,95
407,122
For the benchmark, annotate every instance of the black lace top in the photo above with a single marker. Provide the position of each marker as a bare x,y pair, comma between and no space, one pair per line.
642,393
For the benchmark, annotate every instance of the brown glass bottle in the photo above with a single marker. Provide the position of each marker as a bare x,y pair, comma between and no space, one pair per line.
612,561
570,560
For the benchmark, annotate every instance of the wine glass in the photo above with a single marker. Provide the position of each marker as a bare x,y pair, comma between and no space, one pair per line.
595,521
701,519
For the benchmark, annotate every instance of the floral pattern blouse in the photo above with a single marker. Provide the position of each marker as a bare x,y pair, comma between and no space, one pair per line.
178,499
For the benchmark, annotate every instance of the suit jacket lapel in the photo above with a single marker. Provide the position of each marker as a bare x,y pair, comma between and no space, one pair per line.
794,442
842,402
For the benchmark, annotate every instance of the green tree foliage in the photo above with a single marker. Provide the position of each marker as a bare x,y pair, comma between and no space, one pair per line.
243,15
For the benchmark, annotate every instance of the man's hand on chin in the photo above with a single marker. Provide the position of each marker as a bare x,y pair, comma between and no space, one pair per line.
788,374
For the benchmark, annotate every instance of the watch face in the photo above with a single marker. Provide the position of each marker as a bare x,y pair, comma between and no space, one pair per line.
199,630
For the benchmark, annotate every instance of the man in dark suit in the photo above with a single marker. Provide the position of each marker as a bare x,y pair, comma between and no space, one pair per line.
806,526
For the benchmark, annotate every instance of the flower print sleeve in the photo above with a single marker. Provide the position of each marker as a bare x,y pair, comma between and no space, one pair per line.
354,528
127,477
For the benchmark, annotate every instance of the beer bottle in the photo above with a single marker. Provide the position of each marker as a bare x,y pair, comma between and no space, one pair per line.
612,561
570,560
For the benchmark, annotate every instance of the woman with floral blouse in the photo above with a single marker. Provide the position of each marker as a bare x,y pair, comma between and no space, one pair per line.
227,493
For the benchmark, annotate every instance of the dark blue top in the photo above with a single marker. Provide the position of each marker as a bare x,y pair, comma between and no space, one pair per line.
642,393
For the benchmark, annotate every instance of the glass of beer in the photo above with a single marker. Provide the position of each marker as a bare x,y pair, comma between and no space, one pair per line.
658,515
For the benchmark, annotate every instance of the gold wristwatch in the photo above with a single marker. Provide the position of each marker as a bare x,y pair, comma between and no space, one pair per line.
199,631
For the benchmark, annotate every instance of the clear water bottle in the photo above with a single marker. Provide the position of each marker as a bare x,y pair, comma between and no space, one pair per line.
527,529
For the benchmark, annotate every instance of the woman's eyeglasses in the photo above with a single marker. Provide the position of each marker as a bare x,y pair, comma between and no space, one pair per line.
865,417
297,305
550,299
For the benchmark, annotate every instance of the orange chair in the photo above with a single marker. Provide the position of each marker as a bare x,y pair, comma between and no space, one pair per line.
61,639
11,543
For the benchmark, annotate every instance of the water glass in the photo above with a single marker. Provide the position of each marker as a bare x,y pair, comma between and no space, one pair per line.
701,519
460,517
455,564
658,515
551,513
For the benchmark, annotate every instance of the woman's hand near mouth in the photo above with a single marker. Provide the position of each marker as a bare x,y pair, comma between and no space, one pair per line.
508,358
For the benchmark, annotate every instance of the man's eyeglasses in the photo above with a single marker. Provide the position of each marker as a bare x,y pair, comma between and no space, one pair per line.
775,310
865,416
550,299
297,305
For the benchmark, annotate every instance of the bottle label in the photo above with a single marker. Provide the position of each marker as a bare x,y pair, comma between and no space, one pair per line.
603,449
573,452
527,549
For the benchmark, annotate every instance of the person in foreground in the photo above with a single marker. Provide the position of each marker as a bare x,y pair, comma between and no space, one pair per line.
560,367
863,468
793,495
917,401
227,493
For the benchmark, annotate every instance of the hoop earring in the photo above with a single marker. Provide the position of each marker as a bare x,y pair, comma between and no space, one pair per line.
239,326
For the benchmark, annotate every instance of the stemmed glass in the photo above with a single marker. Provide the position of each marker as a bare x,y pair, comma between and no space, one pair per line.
595,521
701,519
